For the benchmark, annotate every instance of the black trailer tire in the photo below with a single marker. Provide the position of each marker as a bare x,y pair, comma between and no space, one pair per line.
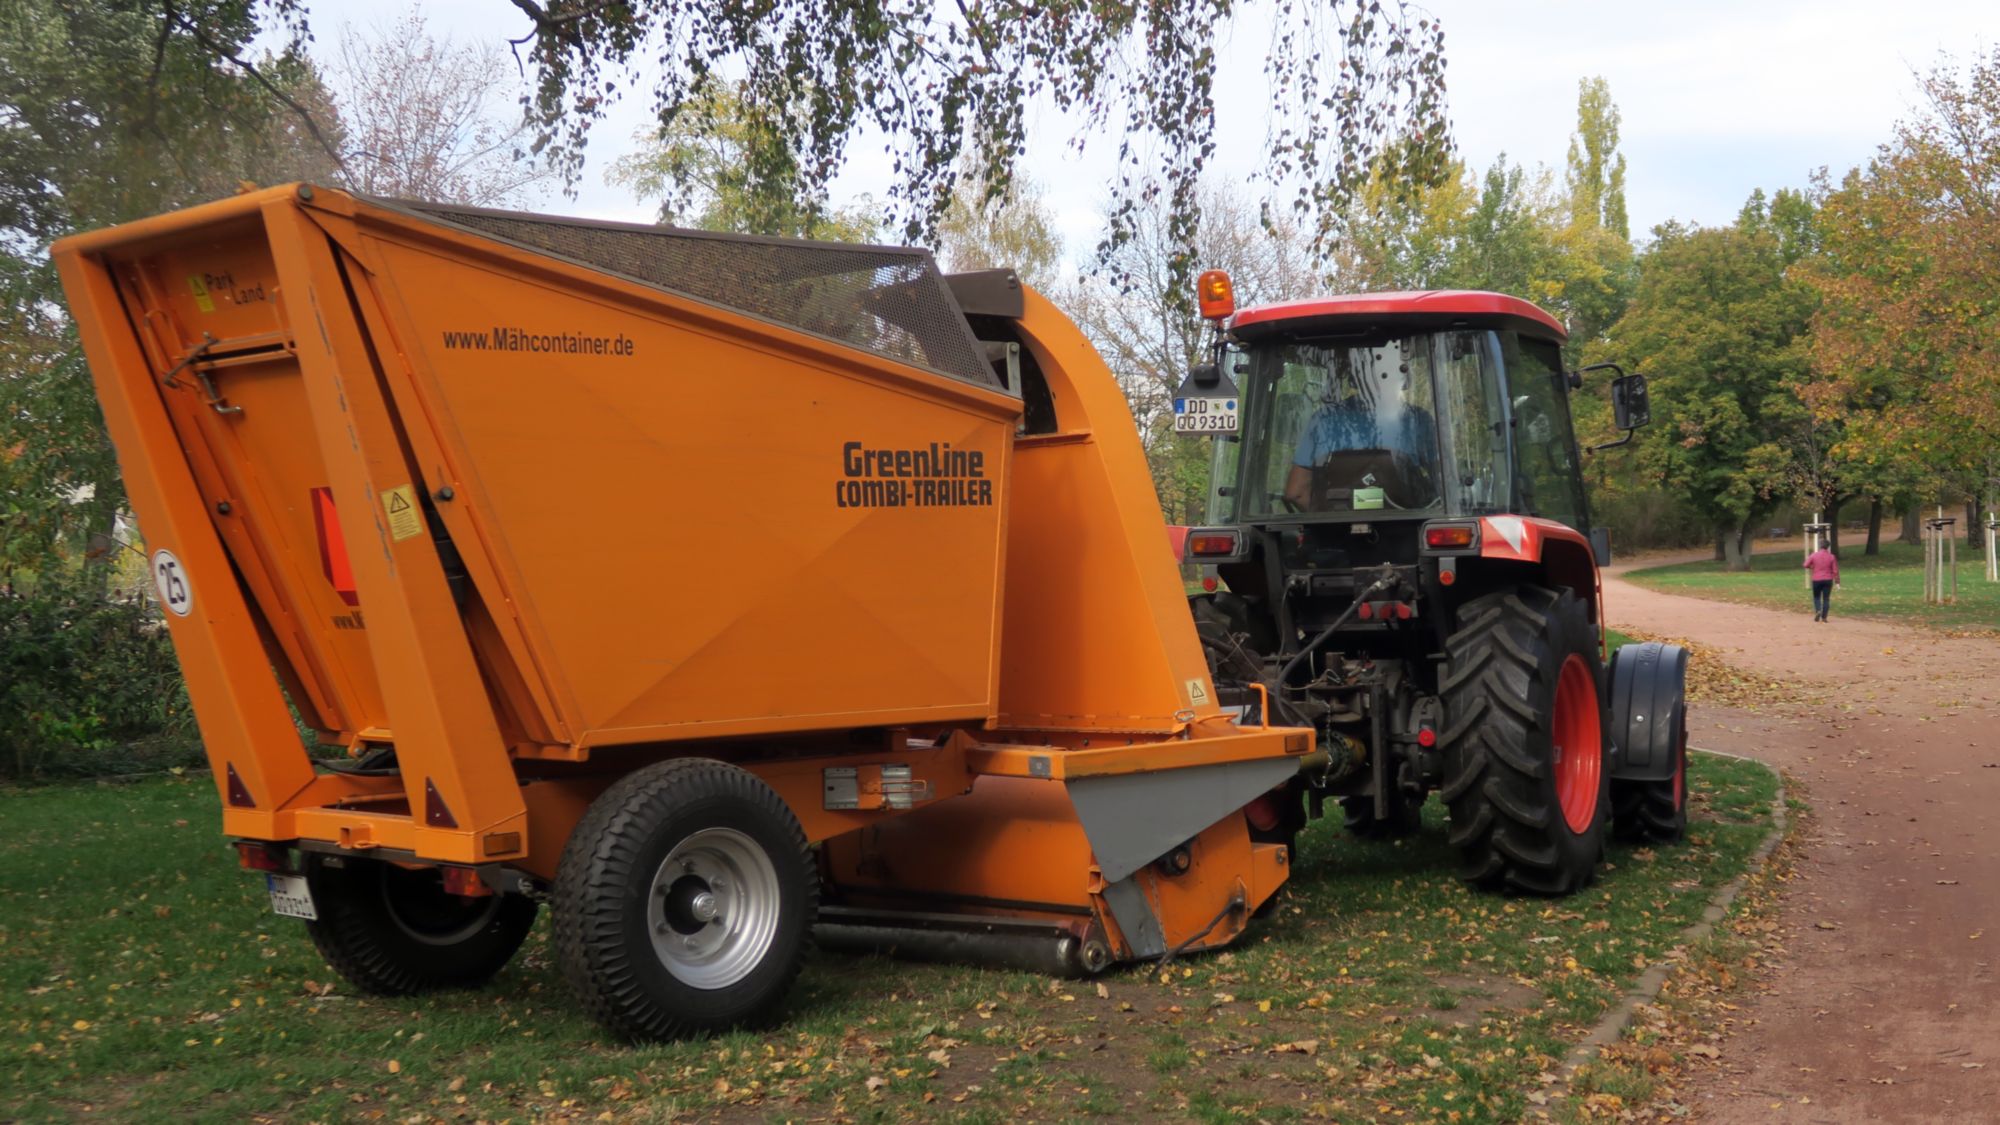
683,901
1404,818
1652,812
1649,720
1523,693
394,931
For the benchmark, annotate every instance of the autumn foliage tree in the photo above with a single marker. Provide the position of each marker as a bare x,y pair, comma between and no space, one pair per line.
1903,344
1717,326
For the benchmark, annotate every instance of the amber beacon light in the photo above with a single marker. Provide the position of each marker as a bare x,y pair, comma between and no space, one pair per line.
1216,294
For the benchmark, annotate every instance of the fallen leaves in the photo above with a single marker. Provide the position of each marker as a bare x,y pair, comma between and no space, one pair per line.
1307,1047
1713,679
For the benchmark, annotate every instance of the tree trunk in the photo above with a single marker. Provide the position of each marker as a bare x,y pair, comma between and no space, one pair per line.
1913,531
1720,536
1833,526
1735,542
1874,527
1975,539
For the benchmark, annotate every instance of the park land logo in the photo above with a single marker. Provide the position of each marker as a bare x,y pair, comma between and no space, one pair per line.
934,476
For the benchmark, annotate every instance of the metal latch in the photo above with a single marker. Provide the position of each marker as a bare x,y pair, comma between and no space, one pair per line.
873,787
193,359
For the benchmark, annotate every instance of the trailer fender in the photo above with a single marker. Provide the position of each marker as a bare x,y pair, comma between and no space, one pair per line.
1648,709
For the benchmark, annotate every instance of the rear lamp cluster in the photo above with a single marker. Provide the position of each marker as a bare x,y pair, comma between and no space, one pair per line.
1451,536
1212,544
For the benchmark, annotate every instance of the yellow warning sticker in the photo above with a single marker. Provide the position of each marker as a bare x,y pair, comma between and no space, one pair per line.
202,300
401,505
1198,693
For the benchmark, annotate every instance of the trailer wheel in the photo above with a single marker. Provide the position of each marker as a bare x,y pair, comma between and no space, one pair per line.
1405,818
1524,741
395,931
1654,812
683,901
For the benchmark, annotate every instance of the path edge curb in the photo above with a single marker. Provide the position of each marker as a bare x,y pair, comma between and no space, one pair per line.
1646,989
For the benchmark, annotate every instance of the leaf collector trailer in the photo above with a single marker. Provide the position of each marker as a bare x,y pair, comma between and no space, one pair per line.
714,591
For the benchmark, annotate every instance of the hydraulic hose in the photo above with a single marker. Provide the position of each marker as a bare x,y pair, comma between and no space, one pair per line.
1326,634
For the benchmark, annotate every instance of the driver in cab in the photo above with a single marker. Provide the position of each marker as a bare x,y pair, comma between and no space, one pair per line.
1347,420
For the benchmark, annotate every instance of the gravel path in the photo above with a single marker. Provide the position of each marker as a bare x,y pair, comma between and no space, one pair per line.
1887,1005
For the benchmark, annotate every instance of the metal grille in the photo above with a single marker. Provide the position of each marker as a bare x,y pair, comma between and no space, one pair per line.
887,300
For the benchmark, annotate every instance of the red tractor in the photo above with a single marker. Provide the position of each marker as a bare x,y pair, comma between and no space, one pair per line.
1399,555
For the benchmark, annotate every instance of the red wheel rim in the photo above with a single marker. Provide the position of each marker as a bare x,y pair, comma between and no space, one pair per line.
1681,770
1579,744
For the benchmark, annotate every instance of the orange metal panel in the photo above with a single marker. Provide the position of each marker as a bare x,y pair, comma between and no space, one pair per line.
1097,630
249,459
1012,840
703,465
245,724
455,767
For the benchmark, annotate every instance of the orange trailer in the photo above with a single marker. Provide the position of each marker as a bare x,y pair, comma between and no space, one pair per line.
709,588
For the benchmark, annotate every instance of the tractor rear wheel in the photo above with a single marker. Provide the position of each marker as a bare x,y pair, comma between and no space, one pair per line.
683,901
395,931
1524,741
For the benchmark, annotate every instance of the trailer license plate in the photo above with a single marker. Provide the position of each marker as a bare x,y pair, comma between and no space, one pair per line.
290,897
1204,415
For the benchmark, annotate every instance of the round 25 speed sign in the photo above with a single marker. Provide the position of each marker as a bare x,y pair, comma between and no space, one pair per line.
171,579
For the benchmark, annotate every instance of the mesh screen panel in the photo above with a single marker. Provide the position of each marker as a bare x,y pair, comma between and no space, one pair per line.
882,299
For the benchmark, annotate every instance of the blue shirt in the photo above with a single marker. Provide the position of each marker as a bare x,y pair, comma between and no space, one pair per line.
1342,427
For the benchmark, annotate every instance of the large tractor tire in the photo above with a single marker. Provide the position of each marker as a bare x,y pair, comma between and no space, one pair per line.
1649,721
395,931
1525,772
683,901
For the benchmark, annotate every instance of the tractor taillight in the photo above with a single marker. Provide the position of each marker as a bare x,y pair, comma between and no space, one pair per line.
1212,543
1451,536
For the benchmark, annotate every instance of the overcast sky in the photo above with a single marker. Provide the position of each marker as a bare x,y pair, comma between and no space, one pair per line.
1718,96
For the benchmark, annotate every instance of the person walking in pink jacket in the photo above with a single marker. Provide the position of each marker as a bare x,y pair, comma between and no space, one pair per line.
1824,570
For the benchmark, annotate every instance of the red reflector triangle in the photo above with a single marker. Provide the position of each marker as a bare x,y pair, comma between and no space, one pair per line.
436,813
239,794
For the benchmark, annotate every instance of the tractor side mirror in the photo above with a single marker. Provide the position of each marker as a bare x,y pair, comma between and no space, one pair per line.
1629,404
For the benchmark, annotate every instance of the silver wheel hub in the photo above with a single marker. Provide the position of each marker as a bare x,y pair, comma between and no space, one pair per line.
712,909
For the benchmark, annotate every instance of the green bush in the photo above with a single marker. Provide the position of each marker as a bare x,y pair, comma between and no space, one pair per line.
1647,518
88,684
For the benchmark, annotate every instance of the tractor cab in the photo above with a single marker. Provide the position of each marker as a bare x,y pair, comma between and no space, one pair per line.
1344,425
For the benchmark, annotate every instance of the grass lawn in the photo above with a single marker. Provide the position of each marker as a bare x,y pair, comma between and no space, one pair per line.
1889,584
143,978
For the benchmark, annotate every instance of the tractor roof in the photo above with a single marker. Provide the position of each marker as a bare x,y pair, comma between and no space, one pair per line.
1428,308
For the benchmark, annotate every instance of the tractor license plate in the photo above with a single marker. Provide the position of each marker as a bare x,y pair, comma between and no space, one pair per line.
1205,415
291,897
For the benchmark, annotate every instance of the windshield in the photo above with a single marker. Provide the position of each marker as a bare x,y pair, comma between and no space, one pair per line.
1343,426
1353,427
